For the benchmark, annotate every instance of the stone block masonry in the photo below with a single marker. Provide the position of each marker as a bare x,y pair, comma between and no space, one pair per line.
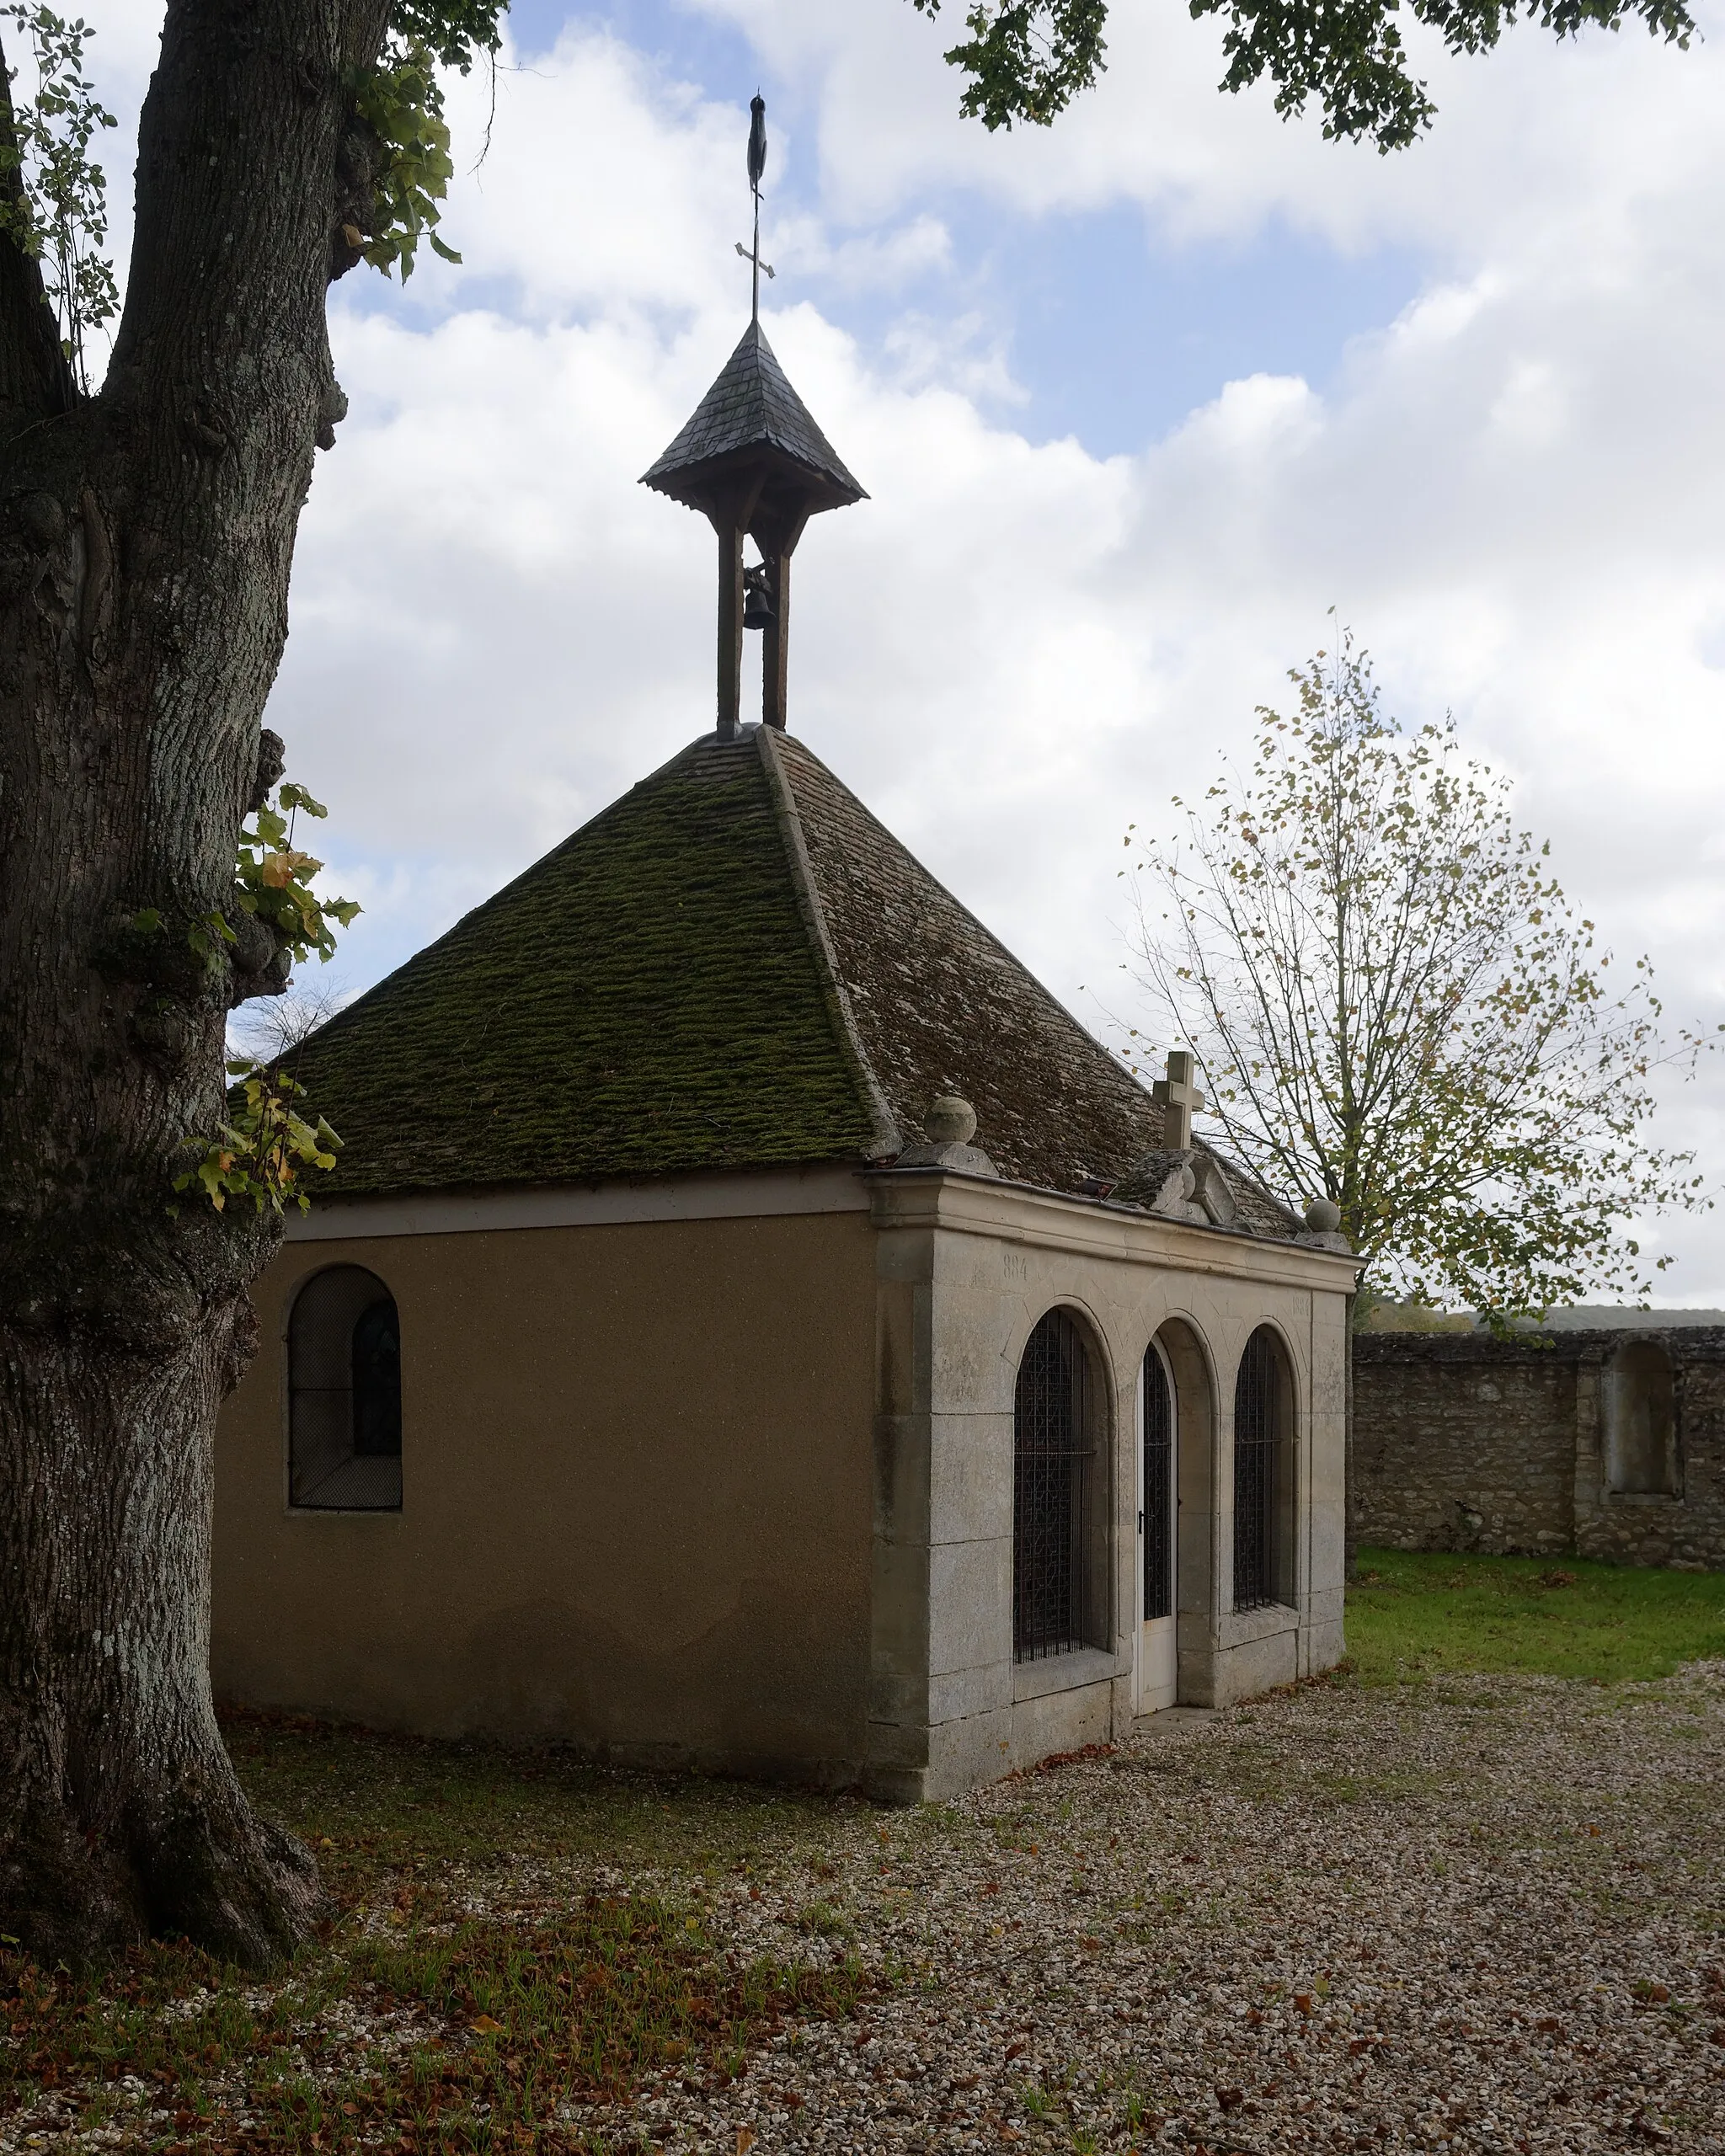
1607,1442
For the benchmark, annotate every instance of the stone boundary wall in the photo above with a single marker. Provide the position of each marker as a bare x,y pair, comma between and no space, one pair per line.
1462,1441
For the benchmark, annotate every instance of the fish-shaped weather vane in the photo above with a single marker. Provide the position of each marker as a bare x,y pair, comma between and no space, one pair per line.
757,165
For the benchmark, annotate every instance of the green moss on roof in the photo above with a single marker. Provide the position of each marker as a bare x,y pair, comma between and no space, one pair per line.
735,966
643,1000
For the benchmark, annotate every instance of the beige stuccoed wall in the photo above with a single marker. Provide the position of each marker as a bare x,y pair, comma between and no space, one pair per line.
966,1269
636,1490
731,1484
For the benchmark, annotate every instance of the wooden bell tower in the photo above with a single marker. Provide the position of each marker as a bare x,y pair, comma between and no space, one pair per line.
752,461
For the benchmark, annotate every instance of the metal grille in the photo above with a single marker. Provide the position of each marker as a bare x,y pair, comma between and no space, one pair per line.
344,1346
377,1385
1051,1490
1255,1447
1158,1515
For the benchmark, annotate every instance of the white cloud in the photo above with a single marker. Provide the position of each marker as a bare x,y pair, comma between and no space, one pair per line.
1012,650
1534,137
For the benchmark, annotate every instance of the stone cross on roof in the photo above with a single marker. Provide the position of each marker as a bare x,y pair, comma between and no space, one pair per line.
1180,1100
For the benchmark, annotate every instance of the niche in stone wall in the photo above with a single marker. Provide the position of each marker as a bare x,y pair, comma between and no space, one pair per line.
1641,1421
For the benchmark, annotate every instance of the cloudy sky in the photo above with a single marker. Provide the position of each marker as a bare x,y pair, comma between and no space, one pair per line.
1136,401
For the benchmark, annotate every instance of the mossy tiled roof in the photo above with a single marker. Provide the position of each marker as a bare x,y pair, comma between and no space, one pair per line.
734,966
940,1007
644,999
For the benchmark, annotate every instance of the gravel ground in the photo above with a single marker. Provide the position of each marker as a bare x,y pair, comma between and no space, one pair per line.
1486,1914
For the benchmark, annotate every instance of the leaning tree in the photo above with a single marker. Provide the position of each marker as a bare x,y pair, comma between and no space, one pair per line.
146,531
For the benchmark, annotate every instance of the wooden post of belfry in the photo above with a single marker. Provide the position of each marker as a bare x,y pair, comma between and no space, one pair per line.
776,641
778,537
730,625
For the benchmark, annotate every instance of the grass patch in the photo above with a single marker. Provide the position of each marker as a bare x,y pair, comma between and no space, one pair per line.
472,2037
1412,1615
368,1801
462,1999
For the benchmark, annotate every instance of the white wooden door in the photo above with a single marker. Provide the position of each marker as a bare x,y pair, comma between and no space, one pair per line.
1158,1539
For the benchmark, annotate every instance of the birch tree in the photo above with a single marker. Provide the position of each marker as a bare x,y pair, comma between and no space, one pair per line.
1397,1008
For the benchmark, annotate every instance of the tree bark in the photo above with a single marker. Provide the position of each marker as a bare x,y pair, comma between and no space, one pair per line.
146,539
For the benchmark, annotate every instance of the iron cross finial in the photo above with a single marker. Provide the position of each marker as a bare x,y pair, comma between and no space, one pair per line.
757,165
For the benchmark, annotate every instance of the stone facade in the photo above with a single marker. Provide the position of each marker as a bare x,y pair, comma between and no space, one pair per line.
965,1267
1607,1443
720,1472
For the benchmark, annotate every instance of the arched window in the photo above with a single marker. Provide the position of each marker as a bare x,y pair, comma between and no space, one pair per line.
1054,1494
1264,1480
343,1364
1641,1421
1158,1488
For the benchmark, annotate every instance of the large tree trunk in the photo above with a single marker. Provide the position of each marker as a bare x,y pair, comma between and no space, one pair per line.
146,538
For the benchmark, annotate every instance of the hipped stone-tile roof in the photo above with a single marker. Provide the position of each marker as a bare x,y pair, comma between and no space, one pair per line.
752,406
734,966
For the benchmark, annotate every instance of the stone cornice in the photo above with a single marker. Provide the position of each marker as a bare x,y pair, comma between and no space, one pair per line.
970,1205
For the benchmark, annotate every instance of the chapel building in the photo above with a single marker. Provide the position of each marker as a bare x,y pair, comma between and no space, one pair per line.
752,1324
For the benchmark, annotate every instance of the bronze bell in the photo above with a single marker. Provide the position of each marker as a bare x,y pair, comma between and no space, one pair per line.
757,600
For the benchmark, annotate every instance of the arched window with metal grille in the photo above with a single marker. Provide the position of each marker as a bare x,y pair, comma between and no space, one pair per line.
1158,1488
343,1364
1053,1491
1262,1474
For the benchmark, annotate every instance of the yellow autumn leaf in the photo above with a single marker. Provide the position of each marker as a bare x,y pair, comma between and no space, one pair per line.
278,869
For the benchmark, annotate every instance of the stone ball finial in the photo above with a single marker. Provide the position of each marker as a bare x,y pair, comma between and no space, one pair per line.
950,1121
1323,1216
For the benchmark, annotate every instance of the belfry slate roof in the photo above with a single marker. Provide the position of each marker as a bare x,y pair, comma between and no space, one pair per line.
734,965
750,406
